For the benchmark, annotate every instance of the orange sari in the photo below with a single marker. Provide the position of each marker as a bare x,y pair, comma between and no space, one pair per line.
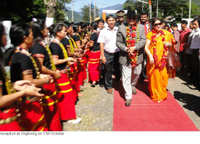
158,79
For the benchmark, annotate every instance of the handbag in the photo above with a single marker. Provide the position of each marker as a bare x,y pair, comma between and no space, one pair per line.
173,60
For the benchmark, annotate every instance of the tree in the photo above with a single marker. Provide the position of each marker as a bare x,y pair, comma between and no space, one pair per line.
178,9
61,10
129,4
85,12
195,9
25,10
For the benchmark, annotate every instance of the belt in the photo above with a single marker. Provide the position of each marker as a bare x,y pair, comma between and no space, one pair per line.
109,52
9,120
94,51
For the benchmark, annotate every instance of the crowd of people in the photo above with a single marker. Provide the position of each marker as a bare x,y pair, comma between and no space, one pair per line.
187,45
48,68
49,65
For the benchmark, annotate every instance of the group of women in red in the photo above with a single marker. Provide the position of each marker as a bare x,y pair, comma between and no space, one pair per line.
46,77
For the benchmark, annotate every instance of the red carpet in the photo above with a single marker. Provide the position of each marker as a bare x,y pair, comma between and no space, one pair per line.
146,115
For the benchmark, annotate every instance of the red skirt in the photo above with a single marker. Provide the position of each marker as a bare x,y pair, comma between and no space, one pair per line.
81,69
76,76
32,116
65,98
75,68
94,66
85,73
51,110
73,82
13,126
86,57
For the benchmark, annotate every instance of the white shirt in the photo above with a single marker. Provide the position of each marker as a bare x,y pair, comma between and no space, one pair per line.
105,24
195,44
108,37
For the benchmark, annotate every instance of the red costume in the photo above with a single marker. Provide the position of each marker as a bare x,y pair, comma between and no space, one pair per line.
94,66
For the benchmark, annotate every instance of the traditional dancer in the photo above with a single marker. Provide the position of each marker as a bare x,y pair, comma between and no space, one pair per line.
94,57
75,52
62,62
43,57
80,61
73,67
9,98
24,67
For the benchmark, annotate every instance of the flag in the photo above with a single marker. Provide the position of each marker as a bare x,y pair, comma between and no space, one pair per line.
92,5
150,2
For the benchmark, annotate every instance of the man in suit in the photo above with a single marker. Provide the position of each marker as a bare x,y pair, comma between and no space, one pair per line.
130,74
147,28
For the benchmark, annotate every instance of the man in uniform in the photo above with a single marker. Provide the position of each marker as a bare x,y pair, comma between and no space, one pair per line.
120,18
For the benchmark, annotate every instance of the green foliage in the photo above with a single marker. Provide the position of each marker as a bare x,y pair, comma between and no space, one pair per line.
61,10
25,10
175,8
16,10
77,16
129,5
195,9
85,12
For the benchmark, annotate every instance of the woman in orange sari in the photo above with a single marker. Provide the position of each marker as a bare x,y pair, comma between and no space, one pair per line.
157,45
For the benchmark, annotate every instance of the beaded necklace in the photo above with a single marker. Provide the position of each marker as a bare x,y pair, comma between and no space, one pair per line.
77,34
71,48
63,50
74,43
130,42
50,55
32,59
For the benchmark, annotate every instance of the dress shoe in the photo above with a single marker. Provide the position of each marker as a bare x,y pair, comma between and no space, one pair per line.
109,91
134,91
128,102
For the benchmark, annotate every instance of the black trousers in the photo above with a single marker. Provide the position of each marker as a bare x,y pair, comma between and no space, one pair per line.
195,66
182,61
143,75
188,59
112,66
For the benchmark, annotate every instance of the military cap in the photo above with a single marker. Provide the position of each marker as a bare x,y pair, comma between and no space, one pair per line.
120,13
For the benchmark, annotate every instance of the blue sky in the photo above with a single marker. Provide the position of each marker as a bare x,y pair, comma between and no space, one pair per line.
100,3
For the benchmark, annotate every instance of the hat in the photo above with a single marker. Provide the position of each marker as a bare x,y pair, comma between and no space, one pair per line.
120,13
131,13
96,19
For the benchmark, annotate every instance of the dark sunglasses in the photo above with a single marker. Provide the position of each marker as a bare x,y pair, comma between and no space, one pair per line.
157,24
134,18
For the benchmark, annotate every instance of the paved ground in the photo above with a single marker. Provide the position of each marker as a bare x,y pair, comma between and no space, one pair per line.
188,97
96,110
96,107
